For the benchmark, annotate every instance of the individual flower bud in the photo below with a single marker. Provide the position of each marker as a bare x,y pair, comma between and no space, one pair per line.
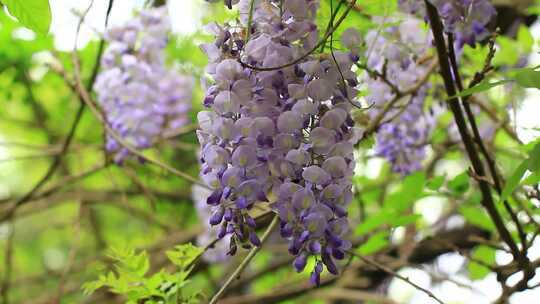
217,217
214,198
254,239
300,262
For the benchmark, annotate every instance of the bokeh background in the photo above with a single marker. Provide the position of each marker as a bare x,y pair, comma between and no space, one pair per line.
59,238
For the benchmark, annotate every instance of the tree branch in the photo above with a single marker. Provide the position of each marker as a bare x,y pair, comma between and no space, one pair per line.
492,166
395,274
487,199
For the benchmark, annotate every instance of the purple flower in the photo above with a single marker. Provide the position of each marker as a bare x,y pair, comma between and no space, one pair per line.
315,277
282,135
316,175
401,140
300,262
466,19
142,98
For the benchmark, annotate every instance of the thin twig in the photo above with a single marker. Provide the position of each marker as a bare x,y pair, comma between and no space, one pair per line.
85,97
148,193
335,294
8,264
395,274
250,20
67,142
493,115
487,199
342,78
375,123
101,48
492,166
245,262
72,252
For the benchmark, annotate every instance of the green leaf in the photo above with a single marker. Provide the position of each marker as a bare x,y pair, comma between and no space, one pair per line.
183,255
481,87
410,190
414,184
460,183
435,183
390,217
532,179
34,14
477,217
527,78
403,220
378,7
484,254
375,243
90,287
533,10
132,282
373,222
525,38
506,54
534,158
513,182
367,143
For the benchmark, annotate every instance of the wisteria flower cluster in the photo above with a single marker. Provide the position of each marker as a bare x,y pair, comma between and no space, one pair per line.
141,97
281,136
395,53
466,19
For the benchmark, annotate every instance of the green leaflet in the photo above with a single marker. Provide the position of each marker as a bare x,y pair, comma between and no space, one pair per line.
534,159
375,243
513,181
528,78
481,87
460,183
34,14
484,254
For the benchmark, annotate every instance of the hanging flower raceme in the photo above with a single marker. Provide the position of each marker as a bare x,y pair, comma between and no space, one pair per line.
141,97
466,19
406,127
282,136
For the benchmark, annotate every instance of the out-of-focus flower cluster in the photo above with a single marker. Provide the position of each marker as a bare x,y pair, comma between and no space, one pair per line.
282,136
466,19
397,54
141,97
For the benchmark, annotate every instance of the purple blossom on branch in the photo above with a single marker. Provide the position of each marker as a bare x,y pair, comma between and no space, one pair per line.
282,137
141,97
466,19
406,127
